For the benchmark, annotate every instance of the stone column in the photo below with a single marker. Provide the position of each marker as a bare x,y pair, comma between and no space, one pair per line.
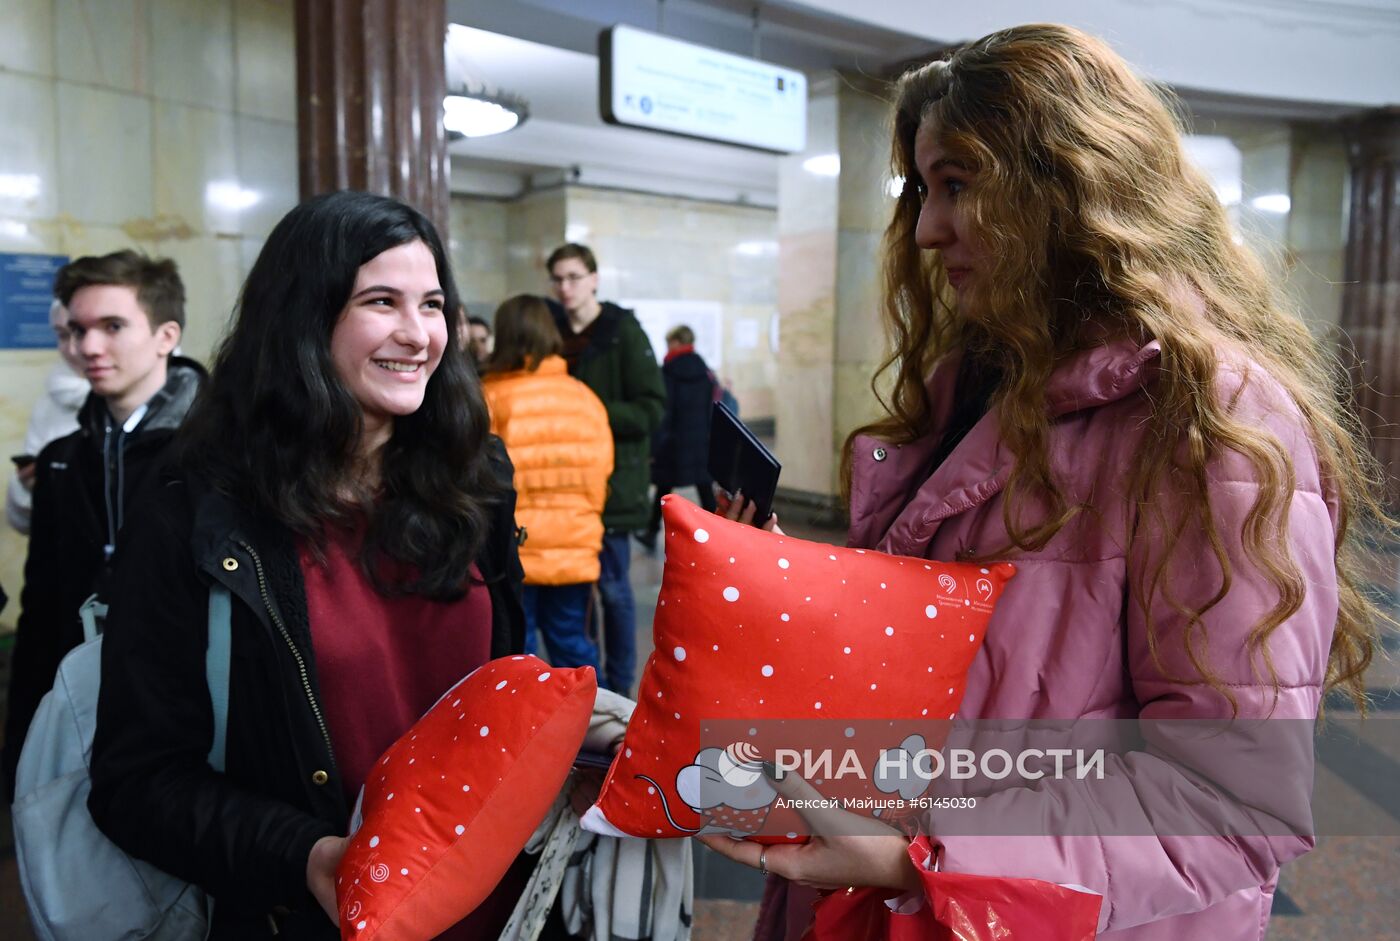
370,85
832,209
808,186
1371,298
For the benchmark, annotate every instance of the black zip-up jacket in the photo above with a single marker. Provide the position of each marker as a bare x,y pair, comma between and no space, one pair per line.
84,491
244,835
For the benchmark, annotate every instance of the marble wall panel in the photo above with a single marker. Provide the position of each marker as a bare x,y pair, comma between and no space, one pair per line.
77,239
635,282
1317,223
1266,158
860,335
750,371
28,147
753,272
27,39
807,201
192,43
806,298
265,76
477,244
211,267
864,135
114,128
805,444
535,226
196,167
266,181
854,404
104,43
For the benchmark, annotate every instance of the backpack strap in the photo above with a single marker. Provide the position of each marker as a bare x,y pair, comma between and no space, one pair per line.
216,668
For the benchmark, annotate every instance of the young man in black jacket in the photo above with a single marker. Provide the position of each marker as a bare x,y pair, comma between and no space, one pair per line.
125,316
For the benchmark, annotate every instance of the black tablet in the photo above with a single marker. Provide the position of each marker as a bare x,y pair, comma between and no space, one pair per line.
740,462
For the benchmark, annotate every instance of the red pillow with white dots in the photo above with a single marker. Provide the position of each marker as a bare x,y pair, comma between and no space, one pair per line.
450,805
767,646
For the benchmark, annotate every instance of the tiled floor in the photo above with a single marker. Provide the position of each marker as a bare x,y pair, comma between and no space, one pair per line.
1347,888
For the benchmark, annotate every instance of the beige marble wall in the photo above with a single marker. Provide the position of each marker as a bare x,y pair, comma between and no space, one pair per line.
808,213
164,125
865,208
478,244
1317,223
1304,245
828,295
535,226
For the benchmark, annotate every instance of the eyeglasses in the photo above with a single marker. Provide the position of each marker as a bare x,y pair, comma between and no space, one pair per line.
567,279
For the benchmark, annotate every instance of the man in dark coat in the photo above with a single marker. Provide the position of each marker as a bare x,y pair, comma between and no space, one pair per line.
125,315
681,446
607,349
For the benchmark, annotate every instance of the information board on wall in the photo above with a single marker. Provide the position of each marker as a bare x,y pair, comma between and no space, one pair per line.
662,84
26,292
706,318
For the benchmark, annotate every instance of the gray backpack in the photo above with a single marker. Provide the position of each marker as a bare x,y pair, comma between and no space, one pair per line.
79,885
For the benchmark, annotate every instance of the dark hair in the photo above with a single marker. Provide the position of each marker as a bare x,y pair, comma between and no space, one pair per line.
476,321
681,334
572,250
159,290
276,429
525,334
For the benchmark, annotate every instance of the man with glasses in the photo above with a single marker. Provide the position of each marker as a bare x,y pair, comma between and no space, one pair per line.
607,349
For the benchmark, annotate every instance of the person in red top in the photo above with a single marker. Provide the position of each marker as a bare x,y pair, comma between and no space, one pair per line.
338,476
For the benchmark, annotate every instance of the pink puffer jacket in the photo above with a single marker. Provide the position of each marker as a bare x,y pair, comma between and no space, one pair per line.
1068,641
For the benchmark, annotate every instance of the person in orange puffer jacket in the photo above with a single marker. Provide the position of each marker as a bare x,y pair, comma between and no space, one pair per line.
557,435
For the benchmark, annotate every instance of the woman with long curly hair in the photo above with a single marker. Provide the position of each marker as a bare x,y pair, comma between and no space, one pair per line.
1093,380
337,477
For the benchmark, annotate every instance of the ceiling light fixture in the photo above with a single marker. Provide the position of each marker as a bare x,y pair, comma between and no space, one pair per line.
481,112
473,107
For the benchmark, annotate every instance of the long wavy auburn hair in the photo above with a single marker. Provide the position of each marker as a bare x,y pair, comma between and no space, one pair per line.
1093,222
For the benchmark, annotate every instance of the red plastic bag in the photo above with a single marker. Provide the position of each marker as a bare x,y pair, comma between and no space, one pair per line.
960,907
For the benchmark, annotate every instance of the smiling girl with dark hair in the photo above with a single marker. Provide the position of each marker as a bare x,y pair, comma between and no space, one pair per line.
338,478
280,427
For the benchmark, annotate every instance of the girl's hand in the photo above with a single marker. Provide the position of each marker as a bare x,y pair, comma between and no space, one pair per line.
846,849
321,865
740,510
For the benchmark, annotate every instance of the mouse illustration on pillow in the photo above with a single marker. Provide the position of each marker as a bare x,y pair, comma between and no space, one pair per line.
728,789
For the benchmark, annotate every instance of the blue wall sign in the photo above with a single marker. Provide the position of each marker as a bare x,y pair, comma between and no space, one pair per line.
26,291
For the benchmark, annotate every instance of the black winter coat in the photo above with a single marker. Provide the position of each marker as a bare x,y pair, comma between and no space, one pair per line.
244,835
681,445
83,491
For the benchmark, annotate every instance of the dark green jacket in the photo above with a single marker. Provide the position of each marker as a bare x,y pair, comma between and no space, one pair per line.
619,367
